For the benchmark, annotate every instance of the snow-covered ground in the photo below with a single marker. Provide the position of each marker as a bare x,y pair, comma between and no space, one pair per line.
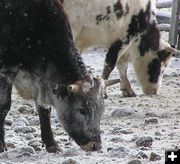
124,123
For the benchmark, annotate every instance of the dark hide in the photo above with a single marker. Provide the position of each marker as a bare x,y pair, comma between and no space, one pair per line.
36,40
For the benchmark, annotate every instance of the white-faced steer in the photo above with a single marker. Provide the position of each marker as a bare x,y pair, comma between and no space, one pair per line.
37,54
128,29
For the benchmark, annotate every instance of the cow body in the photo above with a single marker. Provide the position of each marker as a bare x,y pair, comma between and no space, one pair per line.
37,54
128,29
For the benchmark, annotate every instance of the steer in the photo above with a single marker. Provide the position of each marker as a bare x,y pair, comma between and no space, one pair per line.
128,29
38,56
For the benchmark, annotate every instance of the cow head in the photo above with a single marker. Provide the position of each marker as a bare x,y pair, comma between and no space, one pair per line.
149,68
80,107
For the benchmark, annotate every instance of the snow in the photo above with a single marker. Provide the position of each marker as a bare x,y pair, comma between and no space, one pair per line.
125,121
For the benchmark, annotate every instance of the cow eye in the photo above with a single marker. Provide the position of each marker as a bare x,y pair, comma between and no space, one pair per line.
83,111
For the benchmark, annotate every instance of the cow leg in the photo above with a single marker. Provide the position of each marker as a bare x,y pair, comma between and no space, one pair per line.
110,60
46,131
4,108
6,80
122,66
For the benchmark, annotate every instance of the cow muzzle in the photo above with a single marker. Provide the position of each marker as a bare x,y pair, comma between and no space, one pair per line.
151,92
92,146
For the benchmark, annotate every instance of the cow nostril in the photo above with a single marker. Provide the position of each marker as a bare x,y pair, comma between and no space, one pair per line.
94,147
151,91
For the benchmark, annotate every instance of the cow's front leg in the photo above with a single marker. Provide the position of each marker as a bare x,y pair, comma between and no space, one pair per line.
122,66
5,104
110,60
2,133
46,131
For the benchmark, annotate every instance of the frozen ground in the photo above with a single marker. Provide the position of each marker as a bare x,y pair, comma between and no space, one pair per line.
124,122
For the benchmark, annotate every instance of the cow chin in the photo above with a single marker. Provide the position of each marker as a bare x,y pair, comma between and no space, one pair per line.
151,91
88,144
91,146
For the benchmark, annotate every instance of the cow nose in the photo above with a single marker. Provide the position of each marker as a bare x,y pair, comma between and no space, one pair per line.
95,147
92,146
151,91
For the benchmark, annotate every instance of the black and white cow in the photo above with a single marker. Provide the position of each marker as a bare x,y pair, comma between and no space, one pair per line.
128,29
37,54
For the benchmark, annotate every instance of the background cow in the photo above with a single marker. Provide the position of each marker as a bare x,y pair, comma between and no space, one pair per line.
128,29
37,54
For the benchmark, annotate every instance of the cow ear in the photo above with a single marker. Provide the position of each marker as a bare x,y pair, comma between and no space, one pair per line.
167,53
174,52
108,83
111,82
163,55
171,51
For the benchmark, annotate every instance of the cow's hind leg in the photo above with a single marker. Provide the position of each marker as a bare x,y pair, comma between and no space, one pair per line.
46,131
122,66
6,80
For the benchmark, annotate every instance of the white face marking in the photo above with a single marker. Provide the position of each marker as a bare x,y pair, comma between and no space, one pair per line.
141,65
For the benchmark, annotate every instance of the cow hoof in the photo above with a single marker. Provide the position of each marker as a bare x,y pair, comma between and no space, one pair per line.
126,93
105,95
2,148
132,94
53,149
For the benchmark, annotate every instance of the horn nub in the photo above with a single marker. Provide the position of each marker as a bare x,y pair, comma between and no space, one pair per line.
111,82
74,88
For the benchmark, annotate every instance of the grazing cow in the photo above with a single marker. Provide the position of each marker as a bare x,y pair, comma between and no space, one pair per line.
37,54
128,28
